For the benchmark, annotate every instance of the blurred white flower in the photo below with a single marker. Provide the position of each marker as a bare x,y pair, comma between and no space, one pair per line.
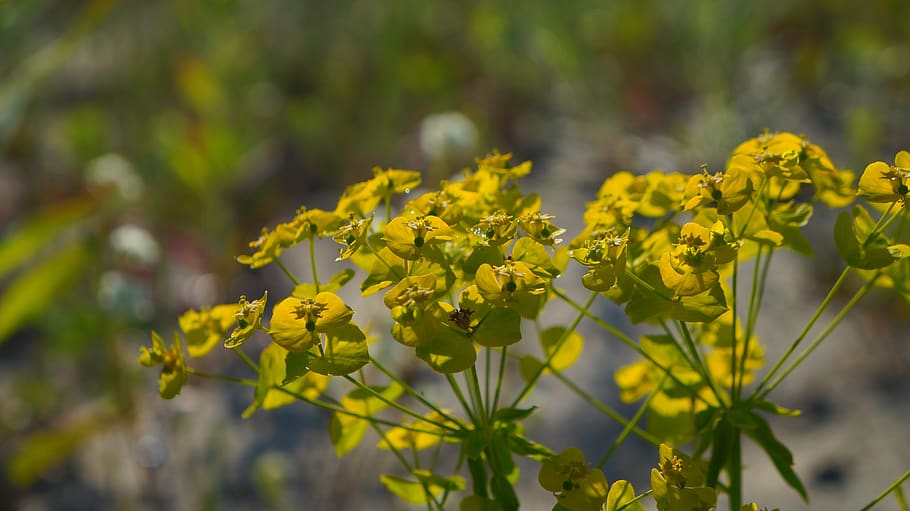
135,244
447,135
113,170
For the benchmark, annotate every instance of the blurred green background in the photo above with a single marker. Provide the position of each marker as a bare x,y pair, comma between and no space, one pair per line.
142,144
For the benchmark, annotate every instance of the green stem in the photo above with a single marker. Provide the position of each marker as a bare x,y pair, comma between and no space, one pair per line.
582,312
625,339
220,377
461,399
733,365
606,410
735,472
474,389
499,377
823,335
412,391
633,501
818,312
899,496
287,271
243,356
486,384
344,411
631,424
313,263
701,367
754,306
431,500
894,486
399,407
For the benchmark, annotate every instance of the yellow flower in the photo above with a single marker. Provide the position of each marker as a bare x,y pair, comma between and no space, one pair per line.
496,229
537,225
407,237
204,328
352,235
575,486
605,257
677,483
507,283
728,190
881,182
173,364
297,322
362,198
249,317
690,267
268,247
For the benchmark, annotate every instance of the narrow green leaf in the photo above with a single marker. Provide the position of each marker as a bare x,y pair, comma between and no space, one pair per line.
504,493
761,433
33,291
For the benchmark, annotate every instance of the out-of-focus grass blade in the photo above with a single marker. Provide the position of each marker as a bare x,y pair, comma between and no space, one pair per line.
20,245
31,292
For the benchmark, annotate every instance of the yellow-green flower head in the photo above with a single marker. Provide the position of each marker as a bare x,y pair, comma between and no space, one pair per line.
537,225
297,322
690,267
440,203
407,299
248,316
307,224
678,484
605,257
352,235
173,364
754,507
728,191
496,229
204,328
498,164
575,486
885,183
267,248
406,237
507,283
362,198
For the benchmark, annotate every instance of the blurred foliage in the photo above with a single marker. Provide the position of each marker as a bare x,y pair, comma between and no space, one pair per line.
170,118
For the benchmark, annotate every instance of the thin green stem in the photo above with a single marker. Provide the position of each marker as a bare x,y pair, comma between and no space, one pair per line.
486,383
606,410
733,365
641,282
400,408
502,369
344,411
431,499
894,486
633,501
243,356
823,335
901,501
474,389
735,472
221,377
815,317
287,271
582,312
754,308
701,367
461,399
412,391
313,263
631,425
625,339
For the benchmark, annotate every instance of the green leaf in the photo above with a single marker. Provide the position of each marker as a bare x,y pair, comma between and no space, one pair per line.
533,253
296,365
415,492
345,351
621,493
338,280
776,409
478,503
500,327
512,414
761,433
33,291
346,432
529,449
448,352
850,237
569,351
504,493
25,243
700,308
721,441
271,372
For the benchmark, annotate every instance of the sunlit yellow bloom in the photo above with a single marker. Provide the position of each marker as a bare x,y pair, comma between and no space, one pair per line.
406,237
206,327
362,198
881,182
677,483
537,225
506,283
249,317
173,364
575,486
268,247
352,235
297,322
496,229
729,190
